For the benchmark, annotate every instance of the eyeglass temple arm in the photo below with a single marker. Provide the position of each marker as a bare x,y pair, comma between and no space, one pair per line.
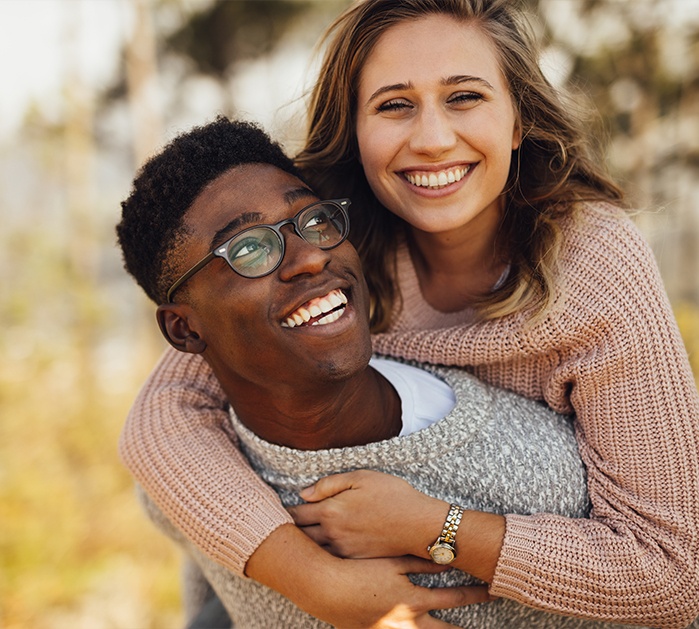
196,268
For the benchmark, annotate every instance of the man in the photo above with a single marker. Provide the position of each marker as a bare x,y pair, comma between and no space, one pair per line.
282,319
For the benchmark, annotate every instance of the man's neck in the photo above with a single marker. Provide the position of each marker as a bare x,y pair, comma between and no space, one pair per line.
361,410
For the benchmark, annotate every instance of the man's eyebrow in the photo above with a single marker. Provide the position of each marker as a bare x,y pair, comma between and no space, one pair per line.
239,222
297,194
252,218
456,79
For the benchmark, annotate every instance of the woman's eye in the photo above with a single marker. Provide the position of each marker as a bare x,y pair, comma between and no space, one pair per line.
396,104
465,98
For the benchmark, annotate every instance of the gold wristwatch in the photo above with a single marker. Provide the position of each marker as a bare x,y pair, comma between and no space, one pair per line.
443,551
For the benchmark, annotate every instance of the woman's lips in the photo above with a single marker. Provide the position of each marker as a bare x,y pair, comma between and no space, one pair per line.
438,179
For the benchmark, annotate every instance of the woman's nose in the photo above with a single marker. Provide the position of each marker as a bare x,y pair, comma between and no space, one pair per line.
433,133
301,257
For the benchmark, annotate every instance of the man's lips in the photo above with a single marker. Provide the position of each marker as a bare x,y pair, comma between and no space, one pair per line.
437,179
318,311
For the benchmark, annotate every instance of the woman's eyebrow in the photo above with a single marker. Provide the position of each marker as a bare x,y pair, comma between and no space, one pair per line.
456,79
389,88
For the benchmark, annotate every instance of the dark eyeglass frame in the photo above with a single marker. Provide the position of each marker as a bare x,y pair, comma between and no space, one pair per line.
222,250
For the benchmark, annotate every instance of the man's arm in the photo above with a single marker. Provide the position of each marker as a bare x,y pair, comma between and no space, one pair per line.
353,592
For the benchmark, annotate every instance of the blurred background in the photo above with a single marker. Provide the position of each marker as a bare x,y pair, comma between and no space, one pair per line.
90,88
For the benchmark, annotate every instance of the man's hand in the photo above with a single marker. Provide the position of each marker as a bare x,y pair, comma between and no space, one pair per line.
353,593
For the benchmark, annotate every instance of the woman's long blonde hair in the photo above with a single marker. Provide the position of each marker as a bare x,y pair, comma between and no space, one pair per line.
552,171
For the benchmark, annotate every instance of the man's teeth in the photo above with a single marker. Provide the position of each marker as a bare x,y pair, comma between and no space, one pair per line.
331,305
437,180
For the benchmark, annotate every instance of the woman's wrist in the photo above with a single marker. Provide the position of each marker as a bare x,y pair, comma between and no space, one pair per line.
478,543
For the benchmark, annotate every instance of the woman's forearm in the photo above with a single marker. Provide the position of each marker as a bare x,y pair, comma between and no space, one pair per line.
176,445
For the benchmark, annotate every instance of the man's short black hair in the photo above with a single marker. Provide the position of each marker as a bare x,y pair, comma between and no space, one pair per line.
167,185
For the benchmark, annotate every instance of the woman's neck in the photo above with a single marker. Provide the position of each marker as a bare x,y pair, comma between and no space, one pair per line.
454,270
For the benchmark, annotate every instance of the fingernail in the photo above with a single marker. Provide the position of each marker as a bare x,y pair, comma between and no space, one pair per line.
307,492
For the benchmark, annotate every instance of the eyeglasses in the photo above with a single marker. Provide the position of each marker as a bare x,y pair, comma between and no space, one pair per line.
257,251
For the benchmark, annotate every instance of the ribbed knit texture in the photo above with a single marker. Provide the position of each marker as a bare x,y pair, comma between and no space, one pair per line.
611,352
495,451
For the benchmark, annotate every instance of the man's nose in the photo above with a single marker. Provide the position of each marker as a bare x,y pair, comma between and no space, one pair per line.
301,257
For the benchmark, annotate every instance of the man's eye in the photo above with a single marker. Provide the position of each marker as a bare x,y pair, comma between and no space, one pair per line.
246,249
251,253
317,220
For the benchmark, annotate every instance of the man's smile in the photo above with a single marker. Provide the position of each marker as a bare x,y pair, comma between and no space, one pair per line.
318,311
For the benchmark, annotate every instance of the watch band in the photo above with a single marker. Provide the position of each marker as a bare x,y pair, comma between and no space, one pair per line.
451,524
443,551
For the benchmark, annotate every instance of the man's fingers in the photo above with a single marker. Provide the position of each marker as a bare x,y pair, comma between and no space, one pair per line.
409,563
315,533
445,598
305,515
429,622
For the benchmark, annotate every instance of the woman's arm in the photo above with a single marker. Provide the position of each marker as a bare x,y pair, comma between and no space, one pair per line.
175,445
614,354
371,514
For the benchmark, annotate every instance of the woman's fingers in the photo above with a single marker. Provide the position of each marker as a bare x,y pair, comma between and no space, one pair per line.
329,486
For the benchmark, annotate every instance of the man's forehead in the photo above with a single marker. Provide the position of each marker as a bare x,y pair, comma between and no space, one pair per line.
247,188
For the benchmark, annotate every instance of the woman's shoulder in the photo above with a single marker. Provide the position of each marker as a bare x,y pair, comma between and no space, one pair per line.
607,271
604,253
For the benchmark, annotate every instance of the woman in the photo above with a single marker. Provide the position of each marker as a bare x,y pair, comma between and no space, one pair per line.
476,196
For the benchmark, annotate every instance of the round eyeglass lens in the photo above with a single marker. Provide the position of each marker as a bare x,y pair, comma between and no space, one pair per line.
323,225
255,252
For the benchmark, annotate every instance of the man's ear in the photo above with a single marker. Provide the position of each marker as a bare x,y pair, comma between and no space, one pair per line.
174,322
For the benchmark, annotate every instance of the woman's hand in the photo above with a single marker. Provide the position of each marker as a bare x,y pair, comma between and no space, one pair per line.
366,514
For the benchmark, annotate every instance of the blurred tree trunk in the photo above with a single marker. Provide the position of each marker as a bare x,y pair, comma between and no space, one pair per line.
81,235
142,83
79,152
145,106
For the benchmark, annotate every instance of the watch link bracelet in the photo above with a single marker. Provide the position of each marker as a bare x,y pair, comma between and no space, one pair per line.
443,551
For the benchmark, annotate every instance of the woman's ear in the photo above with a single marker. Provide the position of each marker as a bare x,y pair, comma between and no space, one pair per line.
174,322
517,134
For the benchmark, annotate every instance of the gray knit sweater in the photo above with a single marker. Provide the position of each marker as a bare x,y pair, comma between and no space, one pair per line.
496,451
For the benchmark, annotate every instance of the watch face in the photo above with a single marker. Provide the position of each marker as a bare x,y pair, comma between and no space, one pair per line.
442,554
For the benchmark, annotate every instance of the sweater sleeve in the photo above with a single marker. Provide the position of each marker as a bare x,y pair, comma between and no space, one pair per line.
620,364
176,446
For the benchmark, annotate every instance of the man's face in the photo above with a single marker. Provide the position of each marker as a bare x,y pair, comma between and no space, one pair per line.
246,323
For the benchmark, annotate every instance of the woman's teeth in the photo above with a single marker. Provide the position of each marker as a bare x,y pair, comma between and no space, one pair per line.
318,311
437,180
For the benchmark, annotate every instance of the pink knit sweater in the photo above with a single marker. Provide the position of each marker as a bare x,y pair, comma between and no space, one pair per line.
610,352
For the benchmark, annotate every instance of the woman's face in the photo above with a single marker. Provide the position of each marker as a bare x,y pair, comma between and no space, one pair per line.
436,126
